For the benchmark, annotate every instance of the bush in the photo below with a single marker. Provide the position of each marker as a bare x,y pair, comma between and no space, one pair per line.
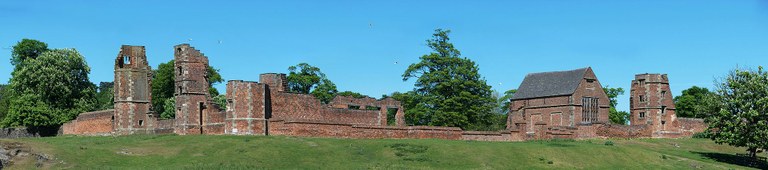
608,143
702,135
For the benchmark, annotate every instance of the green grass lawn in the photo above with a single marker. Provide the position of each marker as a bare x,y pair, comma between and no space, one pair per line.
280,152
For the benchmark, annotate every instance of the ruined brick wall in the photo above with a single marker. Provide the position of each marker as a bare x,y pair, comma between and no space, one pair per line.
133,97
91,123
195,113
624,131
277,81
340,130
488,136
245,108
651,102
690,126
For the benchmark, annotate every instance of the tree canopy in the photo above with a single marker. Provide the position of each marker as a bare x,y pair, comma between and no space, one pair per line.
742,119
49,89
27,49
448,91
307,79
692,103
163,80
616,117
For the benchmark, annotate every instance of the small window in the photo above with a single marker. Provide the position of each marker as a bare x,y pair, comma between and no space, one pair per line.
663,122
663,93
180,90
141,122
353,107
127,59
179,68
642,115
642,81
642,98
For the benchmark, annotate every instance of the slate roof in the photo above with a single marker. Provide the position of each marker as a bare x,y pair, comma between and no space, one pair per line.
547,84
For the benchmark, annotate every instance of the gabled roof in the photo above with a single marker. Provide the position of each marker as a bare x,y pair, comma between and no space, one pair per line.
547,84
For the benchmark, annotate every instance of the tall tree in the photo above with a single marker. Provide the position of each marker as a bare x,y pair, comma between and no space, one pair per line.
163,80
692,103
105,96
449,89
505,100
742,119
307,79
616,117
303,77
50,89
4,100
27,49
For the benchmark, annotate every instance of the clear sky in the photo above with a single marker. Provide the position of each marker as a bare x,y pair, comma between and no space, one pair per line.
357,43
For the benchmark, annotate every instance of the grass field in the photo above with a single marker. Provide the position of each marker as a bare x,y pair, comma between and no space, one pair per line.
280,152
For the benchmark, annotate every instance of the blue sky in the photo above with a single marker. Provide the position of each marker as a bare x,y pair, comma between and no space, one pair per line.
356,43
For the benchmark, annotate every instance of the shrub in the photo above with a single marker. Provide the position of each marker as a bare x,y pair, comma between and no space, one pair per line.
608,143
702,135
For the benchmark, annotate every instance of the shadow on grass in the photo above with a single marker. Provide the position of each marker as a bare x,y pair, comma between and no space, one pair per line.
735,159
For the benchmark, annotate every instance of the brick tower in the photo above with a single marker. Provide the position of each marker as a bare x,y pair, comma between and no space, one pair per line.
651,103
191,81
133,97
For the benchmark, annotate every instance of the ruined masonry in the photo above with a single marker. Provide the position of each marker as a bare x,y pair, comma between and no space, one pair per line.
560,104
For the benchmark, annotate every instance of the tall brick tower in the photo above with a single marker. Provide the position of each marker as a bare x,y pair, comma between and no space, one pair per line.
191,89
651,102
133,97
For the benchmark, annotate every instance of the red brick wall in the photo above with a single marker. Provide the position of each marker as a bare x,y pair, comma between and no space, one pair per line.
338,130
91,123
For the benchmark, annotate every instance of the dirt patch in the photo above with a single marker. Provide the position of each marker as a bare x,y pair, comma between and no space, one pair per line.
14,152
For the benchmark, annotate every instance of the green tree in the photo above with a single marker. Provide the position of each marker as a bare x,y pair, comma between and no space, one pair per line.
303,77
4,100
742,119
163,82
692,103
27,49
449,89
105,96
50,89
616,117
169,108
505,100
353,94
307,79
325,91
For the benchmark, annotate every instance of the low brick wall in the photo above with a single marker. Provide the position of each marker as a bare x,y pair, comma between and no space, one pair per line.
624,131
340,130
690,126
91,123
487,136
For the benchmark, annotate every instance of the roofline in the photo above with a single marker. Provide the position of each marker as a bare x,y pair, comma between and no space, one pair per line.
513,99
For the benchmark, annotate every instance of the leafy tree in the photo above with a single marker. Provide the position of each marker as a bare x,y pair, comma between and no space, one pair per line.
163,81
221,100
742,119
303,77
4,100
325,91
50,89
27,49
692,103
307,79
449,90
163,86
169,108
617,117
505,100
105,96
354,94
